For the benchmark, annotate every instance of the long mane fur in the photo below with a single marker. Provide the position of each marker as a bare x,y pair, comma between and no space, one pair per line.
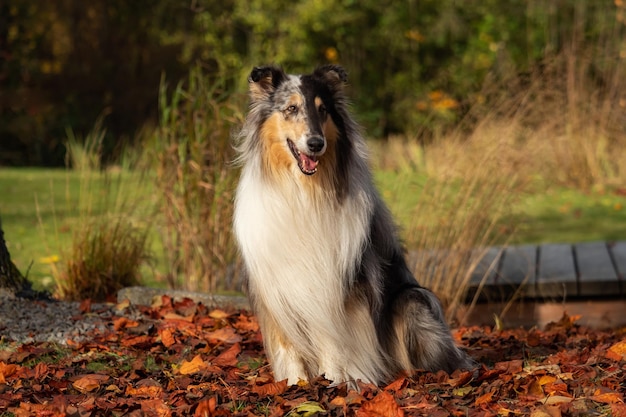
324,263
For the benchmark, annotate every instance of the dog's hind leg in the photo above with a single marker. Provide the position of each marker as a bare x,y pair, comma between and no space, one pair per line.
422,337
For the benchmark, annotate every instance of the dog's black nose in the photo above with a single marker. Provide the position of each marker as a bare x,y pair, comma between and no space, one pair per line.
315,143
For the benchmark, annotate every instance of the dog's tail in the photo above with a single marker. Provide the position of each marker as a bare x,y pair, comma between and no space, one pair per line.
422,337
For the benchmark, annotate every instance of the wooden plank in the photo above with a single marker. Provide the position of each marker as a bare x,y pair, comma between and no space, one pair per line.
487,266
618,250
519,269
485,275
557,273
597,276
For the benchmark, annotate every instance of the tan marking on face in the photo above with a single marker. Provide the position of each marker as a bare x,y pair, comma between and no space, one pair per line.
318,102
277,157
276,154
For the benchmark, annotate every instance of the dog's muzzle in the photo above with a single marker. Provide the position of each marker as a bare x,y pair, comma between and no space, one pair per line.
308,161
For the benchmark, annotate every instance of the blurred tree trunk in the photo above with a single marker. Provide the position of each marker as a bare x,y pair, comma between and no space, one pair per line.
10,277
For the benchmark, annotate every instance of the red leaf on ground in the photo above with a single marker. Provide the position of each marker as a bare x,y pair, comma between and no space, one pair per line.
225,334
271,388
228,357
618,410
206,407
510,367
155,407
41,370
124,323
85,306
484,399
396,385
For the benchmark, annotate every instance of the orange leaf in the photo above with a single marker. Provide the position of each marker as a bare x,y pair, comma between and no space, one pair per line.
135,341
619,349
546,379
167,337
194,366
383,405
484,399
124,323
608,397
613,355
246,323
7,371
146,391
91,382
269,389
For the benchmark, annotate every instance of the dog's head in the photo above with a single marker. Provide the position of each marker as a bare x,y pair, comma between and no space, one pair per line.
300,120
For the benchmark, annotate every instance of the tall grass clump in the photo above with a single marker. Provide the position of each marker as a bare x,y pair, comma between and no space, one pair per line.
109,244
191,154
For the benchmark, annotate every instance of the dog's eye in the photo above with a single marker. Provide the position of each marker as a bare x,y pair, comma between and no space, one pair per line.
292,109
322,110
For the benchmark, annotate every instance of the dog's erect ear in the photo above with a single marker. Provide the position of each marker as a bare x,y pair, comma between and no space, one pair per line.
263,81
334,75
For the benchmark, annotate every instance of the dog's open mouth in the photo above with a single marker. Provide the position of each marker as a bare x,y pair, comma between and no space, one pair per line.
306,163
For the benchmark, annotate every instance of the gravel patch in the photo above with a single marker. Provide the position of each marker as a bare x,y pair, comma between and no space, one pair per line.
30,321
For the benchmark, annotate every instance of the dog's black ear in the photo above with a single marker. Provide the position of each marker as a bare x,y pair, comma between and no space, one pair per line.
263,81
334,75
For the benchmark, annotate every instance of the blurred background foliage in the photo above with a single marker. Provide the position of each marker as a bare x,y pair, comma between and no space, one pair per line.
416,67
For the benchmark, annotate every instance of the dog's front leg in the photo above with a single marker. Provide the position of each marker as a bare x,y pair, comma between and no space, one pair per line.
285,359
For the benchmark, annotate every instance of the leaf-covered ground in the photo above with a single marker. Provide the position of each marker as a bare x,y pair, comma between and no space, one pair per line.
181,359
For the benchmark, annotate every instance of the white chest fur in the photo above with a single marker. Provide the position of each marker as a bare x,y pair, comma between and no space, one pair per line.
298,246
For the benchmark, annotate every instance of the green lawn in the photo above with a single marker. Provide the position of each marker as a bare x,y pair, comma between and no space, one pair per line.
40,207
556,215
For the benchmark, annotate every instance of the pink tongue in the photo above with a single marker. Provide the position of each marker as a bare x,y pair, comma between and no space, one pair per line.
308,163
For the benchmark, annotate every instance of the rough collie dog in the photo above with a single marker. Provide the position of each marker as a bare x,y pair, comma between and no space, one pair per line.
326,272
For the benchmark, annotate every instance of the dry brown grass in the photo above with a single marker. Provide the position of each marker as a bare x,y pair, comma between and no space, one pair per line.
191,156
